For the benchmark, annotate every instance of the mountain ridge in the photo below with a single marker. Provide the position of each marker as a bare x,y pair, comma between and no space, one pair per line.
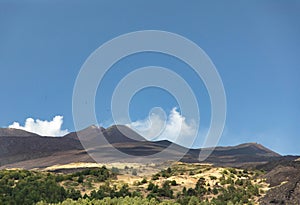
33,150
15,132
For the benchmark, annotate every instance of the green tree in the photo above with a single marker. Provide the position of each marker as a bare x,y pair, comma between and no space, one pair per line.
193,201
80,179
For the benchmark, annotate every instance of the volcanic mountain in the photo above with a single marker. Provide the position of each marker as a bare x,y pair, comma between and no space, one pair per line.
23,149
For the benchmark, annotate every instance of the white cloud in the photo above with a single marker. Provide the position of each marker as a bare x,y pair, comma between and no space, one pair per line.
175,128
43,128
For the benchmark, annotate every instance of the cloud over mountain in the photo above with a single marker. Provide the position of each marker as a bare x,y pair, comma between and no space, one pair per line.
175,128
42,127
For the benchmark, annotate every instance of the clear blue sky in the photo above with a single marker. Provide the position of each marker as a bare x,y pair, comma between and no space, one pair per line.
254,45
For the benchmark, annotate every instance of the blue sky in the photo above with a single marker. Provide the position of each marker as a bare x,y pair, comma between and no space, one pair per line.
254,45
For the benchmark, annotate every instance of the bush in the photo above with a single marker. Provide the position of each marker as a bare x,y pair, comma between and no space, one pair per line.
212,177
134,172
115,170
232,170
155,177
166,190
173,183
144,181
150,186
215,191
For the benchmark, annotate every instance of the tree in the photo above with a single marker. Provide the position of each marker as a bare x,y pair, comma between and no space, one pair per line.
74,194
193,201
166,190
80,179
124,191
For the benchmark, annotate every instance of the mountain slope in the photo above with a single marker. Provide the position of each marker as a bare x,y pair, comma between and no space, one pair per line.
7,132
242,154
20,148
16,150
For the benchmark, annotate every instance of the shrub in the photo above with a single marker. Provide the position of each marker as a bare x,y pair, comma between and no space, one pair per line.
173,183
232,170
213,177
155,177
144,181
115,170
215,191
150,186
134,172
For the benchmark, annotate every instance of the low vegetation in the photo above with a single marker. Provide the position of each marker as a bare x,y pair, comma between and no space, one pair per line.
185,184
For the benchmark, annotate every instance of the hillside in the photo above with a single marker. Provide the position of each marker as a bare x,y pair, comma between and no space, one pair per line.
224,175
166,183
176,183
27,150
